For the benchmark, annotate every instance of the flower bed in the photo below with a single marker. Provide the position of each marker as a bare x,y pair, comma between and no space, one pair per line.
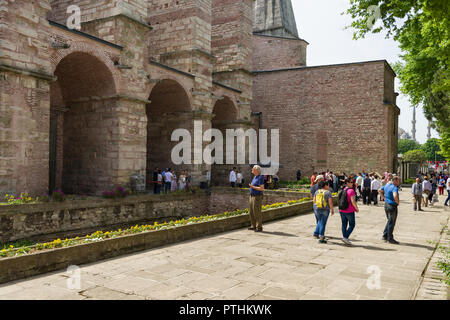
14,250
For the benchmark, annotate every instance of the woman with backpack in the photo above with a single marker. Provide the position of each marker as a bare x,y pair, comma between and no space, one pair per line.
324,203
347,209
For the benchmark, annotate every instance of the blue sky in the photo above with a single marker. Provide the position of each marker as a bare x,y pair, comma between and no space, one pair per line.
321,24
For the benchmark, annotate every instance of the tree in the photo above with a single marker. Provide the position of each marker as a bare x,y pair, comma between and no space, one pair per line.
414,156
422,29
430,148
405,145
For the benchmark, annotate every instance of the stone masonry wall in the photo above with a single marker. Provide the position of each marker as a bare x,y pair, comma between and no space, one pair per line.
77,217
278,53
24,96
329,117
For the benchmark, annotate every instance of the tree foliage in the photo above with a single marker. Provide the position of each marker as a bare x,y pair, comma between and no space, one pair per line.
404,145
415,156
431,149
422,29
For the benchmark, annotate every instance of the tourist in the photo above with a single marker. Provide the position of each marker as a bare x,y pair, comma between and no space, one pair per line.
432,197
315,187
426,187
324,203
391,208
441,185
374,187
168,180
334,184
173,183
233,177
348,214
416,191
313,178
448,192
155,180
365,188
256,197
239,178
299,175
182,181
159,180
358,183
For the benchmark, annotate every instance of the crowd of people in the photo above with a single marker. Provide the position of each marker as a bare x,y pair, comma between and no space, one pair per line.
166,181
236,179
425,189
370,188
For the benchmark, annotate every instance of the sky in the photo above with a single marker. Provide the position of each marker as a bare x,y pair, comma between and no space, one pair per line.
321,24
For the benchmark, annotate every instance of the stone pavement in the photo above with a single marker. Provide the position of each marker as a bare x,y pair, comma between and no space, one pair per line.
283,262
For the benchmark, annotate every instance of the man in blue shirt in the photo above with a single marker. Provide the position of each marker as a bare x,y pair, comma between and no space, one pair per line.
256,197
391,203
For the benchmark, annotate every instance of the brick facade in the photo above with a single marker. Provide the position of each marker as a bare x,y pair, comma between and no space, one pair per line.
83,110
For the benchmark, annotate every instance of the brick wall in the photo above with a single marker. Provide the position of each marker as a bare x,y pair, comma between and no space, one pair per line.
278,53
329,117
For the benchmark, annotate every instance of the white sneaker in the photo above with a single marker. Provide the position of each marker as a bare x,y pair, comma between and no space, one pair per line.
346,241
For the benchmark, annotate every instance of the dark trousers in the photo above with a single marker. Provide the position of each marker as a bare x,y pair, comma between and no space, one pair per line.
418,201
233,184
375,197
366,196
167,186
358,195
158,188
391,215
448,198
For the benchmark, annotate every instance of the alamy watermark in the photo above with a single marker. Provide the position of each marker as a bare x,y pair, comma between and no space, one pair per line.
213,153
74,20
74,278
375,14
374,281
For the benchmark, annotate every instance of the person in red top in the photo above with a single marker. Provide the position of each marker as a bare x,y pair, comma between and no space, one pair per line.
313,179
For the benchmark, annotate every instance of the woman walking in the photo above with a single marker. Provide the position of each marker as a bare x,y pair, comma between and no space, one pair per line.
347,210
324,203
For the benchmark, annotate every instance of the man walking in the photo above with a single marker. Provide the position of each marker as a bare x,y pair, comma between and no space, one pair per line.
366,190
359,182
374,187
233,177
426,187
391,208
417,194
448,191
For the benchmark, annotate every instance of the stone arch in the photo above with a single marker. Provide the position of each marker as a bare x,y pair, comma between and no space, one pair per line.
83,125
170,109
225,116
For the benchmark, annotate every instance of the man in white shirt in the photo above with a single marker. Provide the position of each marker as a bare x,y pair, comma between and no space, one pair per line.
233,177
168,177
426,187
239,178
359,182
448,191
374,187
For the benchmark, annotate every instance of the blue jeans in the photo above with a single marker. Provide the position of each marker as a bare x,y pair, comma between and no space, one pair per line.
391,215
348,223
322,218
448,198
167,186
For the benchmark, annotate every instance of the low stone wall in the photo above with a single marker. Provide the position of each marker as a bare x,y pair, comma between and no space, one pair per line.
47,261
230,199
37,220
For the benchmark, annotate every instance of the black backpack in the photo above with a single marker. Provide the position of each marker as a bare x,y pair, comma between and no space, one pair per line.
343,200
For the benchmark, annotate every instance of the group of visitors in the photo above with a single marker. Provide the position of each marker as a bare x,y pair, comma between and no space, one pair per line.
236,178
369,186
424,190
328,176
167,181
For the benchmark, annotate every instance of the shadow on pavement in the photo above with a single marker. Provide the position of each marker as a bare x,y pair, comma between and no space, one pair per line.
278,233
361,246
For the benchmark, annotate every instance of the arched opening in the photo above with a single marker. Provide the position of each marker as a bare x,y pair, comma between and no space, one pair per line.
83,128
224,114
170,109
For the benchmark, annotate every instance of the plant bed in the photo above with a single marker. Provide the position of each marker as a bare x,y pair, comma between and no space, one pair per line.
18,263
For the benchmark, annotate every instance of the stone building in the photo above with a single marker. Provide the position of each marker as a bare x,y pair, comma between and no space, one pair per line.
338,117
83,110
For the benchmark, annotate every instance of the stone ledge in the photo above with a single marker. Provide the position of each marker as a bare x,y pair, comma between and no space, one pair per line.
47,261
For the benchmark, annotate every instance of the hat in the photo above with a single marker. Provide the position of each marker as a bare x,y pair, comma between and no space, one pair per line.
318,178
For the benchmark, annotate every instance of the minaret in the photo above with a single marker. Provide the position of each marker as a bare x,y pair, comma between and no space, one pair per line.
275,18
413,131
429,131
